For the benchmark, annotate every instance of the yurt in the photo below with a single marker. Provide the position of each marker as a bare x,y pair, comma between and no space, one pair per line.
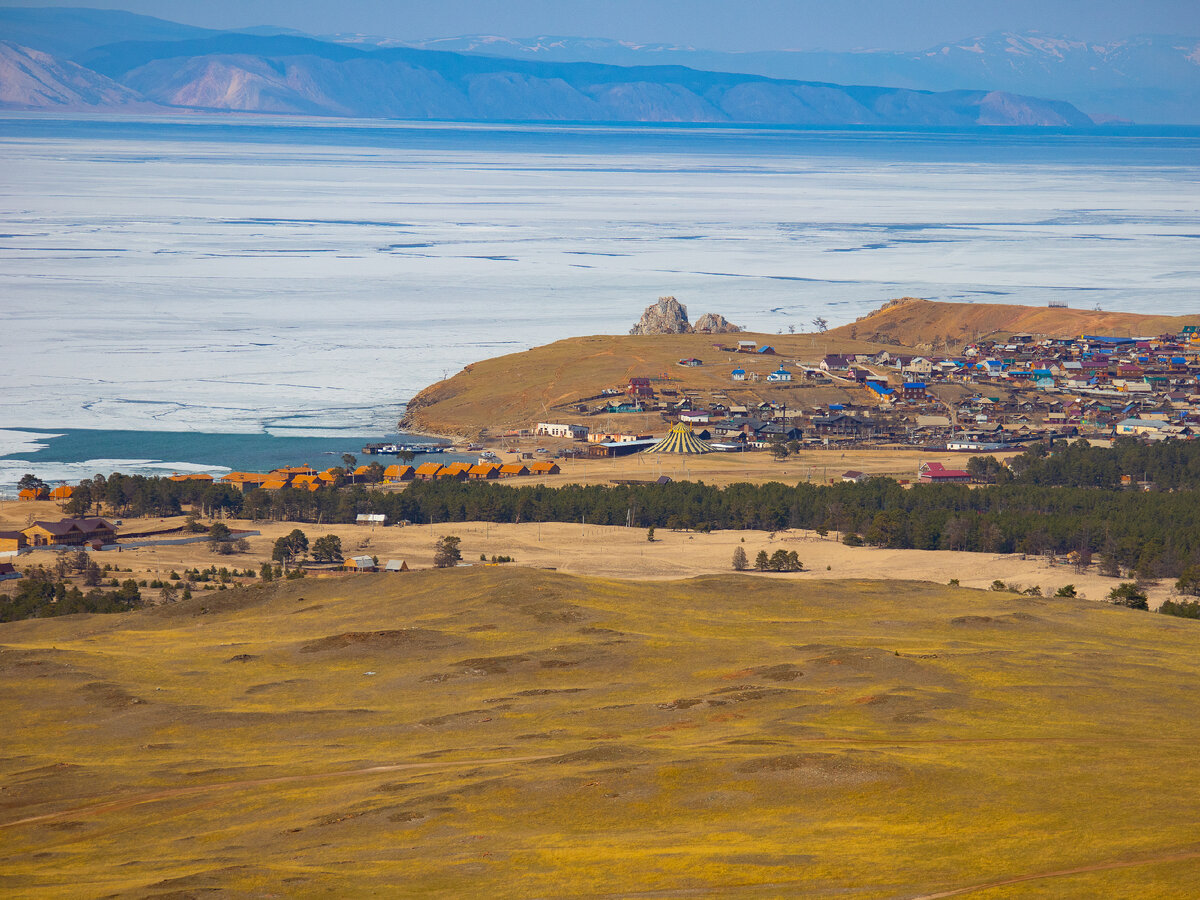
681,439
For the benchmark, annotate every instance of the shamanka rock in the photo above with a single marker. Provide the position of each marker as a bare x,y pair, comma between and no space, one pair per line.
667,316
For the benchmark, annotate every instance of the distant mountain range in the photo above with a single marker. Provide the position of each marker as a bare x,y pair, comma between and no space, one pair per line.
95,59
1148,78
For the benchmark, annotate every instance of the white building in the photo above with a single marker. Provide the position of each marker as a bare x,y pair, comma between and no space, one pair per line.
555,429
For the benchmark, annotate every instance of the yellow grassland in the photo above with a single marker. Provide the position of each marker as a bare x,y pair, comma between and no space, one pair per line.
514,733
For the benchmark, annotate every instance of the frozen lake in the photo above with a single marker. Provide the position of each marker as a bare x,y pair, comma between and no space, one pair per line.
192,275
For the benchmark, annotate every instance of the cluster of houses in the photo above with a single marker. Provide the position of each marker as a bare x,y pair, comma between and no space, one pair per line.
304,478
1007,393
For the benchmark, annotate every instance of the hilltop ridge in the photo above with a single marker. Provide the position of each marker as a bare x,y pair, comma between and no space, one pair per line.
913,322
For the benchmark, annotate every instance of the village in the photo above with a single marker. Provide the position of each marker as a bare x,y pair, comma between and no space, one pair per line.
995,396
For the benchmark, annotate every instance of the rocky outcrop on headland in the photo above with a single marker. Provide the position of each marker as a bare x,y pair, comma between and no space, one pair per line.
669,316
711,323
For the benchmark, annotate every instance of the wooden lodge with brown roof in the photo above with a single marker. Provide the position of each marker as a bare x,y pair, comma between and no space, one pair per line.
428,471
398,473
70,532
484,472
511,470
544,467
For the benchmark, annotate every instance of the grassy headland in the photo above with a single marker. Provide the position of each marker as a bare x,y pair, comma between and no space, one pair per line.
545,383
515,733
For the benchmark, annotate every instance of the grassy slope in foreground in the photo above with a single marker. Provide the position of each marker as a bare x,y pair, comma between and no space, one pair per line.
913,322
724,735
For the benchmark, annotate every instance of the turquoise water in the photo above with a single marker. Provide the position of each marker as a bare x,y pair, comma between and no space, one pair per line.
76,454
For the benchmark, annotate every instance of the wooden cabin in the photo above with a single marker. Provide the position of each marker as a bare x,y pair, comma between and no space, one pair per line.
70,532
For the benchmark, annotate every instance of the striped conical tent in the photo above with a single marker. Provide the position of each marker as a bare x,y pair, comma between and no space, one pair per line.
680,439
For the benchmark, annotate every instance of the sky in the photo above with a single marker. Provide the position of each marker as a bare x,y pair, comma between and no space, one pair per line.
707,24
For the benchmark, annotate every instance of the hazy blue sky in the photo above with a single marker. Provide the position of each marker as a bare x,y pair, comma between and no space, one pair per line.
717,24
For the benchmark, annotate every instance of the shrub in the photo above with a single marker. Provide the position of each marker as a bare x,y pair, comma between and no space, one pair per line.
1129,594
1067,590
1184,609
852,540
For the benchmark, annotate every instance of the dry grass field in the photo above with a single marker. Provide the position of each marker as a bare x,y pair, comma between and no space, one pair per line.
515,733
819,466
609,552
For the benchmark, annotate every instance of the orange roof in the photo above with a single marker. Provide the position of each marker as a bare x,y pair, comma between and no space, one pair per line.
397,471
305,480
33,494
459,467
245,478
62,492
362,470
428,468
195,476
542,466
328,477
274,484
514,469
484,469
294,470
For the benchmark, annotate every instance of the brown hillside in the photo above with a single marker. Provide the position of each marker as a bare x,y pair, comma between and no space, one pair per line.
507,733
912,322
544,383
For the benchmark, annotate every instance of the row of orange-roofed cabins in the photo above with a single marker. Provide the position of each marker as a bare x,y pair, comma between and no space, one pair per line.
463,471
62,492
304,478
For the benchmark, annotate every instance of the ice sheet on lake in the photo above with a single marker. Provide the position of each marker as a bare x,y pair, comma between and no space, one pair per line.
52,473
236,286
